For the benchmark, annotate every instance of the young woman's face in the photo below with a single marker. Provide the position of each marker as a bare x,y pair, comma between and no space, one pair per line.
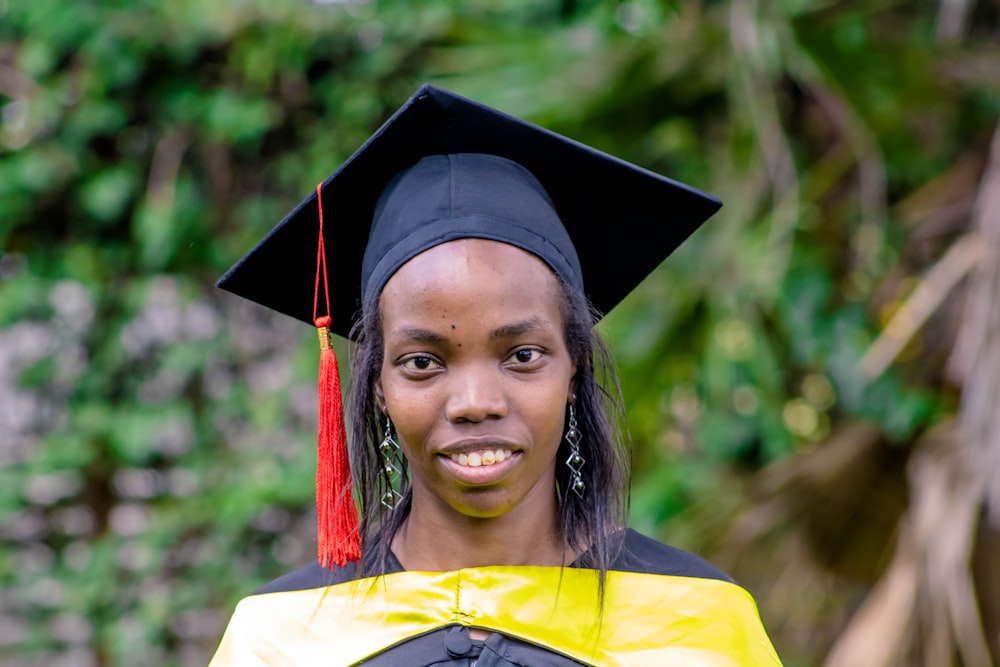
476,377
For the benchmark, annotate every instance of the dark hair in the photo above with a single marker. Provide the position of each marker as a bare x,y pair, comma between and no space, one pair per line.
591,524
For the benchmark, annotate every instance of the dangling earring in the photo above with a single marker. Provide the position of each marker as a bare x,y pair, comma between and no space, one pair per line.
389,449
575,461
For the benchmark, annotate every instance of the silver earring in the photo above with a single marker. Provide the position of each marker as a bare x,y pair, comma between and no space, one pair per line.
389,449
575,461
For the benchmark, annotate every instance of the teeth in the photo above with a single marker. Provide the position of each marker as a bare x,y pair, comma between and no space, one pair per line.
487,457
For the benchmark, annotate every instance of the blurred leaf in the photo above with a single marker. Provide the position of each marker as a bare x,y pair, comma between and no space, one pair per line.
107,194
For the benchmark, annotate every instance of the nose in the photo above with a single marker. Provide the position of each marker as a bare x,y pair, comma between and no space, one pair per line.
476,394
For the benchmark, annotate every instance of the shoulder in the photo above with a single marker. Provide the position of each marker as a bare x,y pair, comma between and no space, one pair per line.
642,554
311,576
315,575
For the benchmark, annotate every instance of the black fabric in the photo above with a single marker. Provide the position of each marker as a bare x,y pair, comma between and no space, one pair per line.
642,554
313,575
639,554
458,196
441,648
623,220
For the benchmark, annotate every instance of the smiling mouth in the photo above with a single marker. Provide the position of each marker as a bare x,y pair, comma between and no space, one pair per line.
485,457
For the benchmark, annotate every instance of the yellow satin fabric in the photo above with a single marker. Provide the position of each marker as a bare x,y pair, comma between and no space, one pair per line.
647,620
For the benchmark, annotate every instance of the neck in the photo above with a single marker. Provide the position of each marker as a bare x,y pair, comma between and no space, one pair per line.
436,539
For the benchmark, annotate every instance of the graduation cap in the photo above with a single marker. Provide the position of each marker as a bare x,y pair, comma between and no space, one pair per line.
445,167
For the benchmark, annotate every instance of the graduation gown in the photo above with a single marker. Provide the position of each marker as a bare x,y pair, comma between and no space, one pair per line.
662,606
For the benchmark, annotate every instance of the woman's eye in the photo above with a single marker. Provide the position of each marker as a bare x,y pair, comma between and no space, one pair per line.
526,355
420,363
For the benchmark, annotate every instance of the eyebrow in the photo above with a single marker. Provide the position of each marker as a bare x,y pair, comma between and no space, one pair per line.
518,328
420,336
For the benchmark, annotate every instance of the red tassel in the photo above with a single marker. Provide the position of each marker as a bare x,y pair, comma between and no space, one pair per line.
338,535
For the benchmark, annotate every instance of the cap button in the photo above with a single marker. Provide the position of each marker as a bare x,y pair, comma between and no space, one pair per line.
458,642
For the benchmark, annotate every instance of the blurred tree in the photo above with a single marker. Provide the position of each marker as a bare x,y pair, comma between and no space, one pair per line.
780,371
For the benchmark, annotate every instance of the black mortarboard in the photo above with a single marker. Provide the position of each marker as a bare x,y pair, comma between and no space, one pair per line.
623,220
442,168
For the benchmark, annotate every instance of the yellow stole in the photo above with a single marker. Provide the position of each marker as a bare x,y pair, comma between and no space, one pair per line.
647,619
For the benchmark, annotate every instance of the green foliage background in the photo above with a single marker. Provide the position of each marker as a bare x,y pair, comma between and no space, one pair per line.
156,436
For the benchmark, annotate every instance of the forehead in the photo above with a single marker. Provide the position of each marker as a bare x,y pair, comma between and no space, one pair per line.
472,277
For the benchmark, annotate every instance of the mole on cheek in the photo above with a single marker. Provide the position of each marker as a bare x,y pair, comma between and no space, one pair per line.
452,326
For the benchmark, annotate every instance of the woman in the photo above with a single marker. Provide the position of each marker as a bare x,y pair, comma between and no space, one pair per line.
490,478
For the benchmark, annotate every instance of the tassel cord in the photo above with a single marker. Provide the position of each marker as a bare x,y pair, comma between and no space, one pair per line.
338,536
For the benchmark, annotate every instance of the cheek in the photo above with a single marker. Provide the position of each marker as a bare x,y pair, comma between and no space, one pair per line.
545,412
411,412
554,426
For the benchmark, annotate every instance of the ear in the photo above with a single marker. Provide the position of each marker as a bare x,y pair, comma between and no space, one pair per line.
572,388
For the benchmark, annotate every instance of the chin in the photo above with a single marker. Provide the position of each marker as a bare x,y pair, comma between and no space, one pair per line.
481,506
